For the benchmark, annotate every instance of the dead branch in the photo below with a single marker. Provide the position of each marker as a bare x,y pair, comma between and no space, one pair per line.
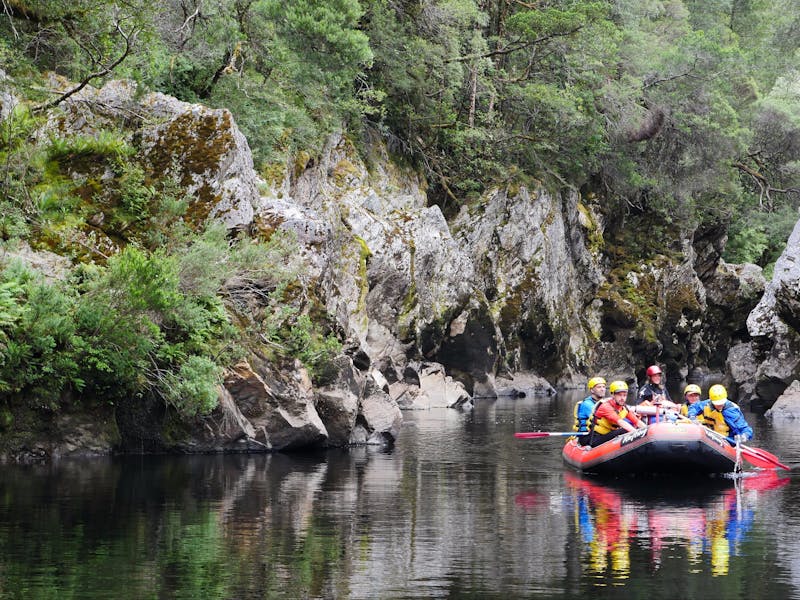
766,190
129,39
189,20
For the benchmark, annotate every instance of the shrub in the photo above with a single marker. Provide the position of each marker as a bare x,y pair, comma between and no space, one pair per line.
193,389
760,238
37,338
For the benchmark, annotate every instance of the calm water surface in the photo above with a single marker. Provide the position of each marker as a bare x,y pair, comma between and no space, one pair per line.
459,508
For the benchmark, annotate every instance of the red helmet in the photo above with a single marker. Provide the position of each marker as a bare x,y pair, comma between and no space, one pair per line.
654,370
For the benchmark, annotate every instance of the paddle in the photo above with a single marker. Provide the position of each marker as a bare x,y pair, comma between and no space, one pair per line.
761,458
755,456
534,435
649,411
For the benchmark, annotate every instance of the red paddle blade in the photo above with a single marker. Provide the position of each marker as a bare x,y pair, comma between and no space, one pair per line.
761,458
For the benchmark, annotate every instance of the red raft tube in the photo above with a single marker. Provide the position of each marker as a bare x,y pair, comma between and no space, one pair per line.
664,447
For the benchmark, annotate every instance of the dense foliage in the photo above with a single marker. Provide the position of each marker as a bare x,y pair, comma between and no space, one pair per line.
685,110
146,322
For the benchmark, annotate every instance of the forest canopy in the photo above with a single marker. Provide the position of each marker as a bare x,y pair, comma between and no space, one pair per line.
684,107
686,110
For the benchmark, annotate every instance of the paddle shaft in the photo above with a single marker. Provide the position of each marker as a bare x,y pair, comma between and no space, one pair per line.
535,435
755,456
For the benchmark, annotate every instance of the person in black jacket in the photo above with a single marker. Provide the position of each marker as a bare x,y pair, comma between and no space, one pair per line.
654,393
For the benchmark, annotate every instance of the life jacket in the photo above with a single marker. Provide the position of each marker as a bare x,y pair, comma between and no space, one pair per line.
603,425
712,417
685,409
577,424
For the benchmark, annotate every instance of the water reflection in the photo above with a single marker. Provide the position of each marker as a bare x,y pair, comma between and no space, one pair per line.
193,527
459,508
704,521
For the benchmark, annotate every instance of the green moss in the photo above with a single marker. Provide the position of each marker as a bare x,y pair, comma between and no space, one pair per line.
594,232
549,220
6,419
90,189
192,145
410,300
405,321
175,430
301,162
25,428
511,309
645,237
343,171
512,189
632,304
273,173
364,254
265,226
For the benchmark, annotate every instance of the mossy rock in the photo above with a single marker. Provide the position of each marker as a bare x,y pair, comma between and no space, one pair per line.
594,233
189,146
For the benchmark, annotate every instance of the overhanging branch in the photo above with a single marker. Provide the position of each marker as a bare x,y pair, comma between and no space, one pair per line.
129,38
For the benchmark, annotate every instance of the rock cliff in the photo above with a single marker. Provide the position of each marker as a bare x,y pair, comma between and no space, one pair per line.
522,280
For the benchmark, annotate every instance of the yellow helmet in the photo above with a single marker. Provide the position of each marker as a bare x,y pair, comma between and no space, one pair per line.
717,393
618,386
692,389
596,381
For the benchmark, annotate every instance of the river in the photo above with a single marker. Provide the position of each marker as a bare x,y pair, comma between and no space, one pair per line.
458,508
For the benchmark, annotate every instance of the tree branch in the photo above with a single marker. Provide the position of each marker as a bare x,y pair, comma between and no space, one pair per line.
514,46
653,82
129,38
190,18
765,189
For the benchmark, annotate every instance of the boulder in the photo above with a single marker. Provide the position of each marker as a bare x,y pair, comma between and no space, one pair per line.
338,403
524,384
200,147
441,389
379,419
787,406
265,410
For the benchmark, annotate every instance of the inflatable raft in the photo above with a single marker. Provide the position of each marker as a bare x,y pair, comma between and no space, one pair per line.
662,447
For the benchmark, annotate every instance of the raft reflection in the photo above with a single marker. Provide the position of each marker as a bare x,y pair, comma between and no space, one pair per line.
710,518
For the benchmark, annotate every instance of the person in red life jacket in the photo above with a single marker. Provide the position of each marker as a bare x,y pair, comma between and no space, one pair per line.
653,393
721,415
611,417
691,395
584,408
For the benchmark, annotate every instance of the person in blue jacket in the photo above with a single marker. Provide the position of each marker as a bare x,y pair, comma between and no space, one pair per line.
721,415
584,409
